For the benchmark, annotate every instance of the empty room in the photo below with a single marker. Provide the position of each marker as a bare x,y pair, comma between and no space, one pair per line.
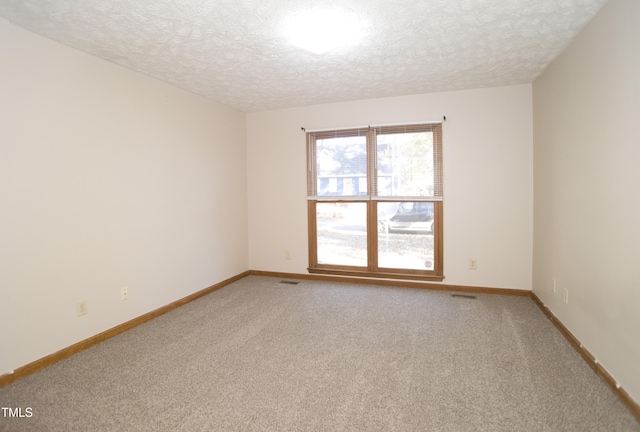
319,216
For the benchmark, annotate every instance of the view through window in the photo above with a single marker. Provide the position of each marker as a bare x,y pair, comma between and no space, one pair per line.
375,201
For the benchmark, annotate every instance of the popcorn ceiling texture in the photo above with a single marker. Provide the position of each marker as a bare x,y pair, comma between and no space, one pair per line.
235,52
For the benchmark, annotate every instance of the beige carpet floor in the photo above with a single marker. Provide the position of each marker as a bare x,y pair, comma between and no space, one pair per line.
259,355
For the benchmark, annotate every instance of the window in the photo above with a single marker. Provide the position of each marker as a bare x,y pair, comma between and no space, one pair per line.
375,201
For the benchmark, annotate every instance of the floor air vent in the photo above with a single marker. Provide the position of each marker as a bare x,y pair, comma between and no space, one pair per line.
468,296
289,282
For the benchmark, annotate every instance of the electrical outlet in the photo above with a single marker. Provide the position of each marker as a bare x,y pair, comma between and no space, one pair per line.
566,296
81,308
553,284
473,264
124,293
287,255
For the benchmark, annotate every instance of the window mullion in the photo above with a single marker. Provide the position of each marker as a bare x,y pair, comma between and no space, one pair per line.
372,217
372,235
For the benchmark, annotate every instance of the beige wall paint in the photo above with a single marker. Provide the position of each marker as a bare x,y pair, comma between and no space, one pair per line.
108,179
488,178
587,180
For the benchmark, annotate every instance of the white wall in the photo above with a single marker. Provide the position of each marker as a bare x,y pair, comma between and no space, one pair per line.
488,177
587,180
108,179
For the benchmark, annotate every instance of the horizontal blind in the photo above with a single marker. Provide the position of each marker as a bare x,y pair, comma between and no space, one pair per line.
437,162
409,128
312,161
372,133
436,130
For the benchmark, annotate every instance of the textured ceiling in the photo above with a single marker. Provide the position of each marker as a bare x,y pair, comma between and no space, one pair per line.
235,51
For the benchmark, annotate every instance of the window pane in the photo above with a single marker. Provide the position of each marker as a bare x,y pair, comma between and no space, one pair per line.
342,166
405,164
342,233
405,235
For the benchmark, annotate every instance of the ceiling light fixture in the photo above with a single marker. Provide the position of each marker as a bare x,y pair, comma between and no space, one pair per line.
320,31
